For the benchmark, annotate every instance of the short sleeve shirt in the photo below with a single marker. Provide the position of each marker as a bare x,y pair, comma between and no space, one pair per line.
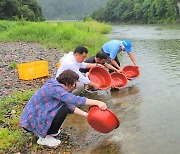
112,48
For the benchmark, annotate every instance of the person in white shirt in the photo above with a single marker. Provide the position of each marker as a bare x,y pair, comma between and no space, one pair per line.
74,61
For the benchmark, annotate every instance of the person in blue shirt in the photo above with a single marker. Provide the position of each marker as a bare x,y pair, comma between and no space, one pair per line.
48,107
113,47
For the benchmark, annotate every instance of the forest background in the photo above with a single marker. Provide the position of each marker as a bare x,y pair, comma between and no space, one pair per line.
114,11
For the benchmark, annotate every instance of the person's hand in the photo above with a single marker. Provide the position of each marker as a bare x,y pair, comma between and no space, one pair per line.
136,66
85,114
100,65
120,70
96,86
112,86
102,105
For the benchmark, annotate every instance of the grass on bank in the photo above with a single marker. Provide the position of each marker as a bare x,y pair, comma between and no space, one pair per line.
64,35
11,135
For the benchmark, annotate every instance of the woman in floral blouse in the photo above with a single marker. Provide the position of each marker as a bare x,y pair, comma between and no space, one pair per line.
48,107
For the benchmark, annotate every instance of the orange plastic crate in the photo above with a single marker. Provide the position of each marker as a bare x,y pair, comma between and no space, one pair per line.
58,64
33,70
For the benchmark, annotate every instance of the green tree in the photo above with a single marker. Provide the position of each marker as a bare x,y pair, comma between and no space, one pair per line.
34,7
109,13
139,11
27,13
98,15
172,13
9,9
28,9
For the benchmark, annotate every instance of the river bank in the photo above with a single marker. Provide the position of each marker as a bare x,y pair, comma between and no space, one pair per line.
53,39
21,52
74,135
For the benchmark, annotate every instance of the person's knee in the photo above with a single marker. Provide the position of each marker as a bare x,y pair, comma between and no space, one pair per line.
80,85
79,88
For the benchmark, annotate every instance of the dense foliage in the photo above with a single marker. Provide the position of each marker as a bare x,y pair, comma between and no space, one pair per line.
139,11
69,9
16,9
11,135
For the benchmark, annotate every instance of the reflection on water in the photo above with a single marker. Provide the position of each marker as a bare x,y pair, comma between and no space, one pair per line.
107,147
149,107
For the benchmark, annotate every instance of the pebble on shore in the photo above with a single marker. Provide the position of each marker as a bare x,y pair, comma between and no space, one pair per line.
22,52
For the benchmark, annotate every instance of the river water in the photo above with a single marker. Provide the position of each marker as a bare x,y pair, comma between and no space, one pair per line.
149,107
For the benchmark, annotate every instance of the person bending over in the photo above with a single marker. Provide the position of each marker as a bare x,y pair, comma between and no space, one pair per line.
113,47
74,61
100,58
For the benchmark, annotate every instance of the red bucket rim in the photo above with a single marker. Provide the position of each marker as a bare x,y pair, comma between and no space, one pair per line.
107,73
134,70
117,87
117,119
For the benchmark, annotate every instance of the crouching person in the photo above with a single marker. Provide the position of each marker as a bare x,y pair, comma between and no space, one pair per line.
48,107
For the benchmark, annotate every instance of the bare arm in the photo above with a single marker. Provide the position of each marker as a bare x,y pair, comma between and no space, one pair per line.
111,67
94,85
90,102
91,65
132,58
80,112
100,104
116,65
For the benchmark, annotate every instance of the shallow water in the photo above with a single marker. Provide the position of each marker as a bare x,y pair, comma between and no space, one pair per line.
149,107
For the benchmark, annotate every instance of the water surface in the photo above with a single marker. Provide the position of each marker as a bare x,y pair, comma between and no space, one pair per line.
149,108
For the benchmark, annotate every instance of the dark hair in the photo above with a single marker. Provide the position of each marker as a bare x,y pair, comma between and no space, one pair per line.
67,77
101,55
81,50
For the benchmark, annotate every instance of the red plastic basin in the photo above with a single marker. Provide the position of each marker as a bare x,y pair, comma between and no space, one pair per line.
119,81
100,76
103,121
131,72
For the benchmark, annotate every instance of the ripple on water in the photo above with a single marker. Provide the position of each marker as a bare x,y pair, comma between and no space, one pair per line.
149,107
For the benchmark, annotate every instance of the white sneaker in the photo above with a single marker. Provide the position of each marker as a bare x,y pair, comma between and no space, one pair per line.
48,141
59,131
